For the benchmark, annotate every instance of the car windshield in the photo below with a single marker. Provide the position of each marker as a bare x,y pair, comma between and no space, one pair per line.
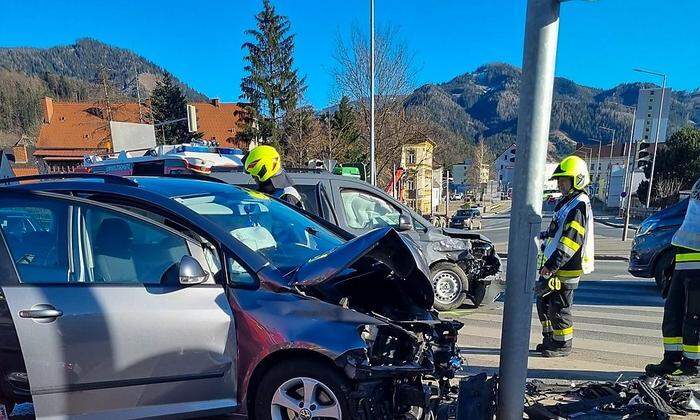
461,213
286,237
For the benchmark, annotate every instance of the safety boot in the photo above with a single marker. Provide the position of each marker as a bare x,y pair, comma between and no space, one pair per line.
686,373
556,351
667,366
545,344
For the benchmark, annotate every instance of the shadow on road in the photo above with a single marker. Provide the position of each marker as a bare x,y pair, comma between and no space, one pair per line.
618,293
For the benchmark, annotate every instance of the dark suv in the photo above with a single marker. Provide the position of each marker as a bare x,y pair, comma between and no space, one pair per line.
652,254
463,265
161,297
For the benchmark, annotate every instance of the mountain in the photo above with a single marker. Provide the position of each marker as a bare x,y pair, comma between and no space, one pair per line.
484,104
78,72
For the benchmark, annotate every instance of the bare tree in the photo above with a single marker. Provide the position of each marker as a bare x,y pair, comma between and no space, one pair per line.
394,71
302,136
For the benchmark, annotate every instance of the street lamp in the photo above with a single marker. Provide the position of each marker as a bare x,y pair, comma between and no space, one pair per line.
597,167
612,146
658,127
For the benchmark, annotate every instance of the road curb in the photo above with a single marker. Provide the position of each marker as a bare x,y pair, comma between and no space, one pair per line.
615,225
601,257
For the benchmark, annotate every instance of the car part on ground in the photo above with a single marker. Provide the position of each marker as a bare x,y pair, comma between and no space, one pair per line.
643,398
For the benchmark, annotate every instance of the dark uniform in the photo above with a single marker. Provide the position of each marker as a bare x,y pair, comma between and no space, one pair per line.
681,324
565,239
282,187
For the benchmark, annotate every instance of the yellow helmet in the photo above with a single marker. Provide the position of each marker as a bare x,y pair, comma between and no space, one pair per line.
575,168
263,162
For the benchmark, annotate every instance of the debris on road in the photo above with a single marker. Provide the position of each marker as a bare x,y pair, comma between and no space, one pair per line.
644,398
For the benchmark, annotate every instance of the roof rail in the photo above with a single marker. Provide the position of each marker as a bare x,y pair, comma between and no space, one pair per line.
107,178
198,177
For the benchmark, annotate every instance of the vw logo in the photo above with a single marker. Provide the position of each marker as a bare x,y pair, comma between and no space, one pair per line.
304,413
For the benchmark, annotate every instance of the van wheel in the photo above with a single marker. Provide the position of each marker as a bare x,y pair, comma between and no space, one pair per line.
304,389
664,269
450,284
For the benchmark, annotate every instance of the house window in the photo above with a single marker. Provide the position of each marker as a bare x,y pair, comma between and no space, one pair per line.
650,107
648,115
501,167
411,156
651,92
646,137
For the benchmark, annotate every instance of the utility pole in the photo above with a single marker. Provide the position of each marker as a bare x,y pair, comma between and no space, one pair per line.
534,111
658,129
612,147
628,188
372,144
138,91
447,196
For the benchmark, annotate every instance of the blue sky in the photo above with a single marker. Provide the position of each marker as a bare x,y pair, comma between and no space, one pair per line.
600,41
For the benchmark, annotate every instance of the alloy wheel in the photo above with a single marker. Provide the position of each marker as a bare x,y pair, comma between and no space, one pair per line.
304,399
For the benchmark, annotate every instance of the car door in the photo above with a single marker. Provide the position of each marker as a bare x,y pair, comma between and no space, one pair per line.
104,325
360,209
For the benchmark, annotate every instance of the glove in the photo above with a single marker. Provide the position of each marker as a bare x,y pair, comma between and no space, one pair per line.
544,287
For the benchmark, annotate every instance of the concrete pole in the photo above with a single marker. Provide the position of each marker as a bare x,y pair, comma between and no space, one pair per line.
372,144
534,111
656,140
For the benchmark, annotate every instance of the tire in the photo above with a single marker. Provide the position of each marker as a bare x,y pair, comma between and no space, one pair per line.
286,383
663,270
450,285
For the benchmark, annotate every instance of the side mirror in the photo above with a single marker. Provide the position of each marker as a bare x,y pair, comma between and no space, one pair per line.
191,272
405,223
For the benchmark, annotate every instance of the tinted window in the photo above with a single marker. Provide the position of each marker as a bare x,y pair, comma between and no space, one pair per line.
308,198
367,211
89,244
121,249
37,236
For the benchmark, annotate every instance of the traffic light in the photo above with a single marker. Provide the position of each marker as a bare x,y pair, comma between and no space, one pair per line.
644,158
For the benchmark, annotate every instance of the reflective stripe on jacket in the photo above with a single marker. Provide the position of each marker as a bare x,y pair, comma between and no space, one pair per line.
569,243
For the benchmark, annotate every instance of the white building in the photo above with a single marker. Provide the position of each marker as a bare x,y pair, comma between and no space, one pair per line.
647,115
503,167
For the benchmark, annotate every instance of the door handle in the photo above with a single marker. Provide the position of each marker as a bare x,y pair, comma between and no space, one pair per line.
41,311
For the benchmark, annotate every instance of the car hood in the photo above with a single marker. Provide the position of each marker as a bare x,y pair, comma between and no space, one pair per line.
381,258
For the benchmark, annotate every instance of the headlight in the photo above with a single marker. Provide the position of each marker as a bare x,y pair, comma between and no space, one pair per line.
451,245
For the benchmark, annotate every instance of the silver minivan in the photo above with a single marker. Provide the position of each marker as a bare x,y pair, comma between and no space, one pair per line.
152,297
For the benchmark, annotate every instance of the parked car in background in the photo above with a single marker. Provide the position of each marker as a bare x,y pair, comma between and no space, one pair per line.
466,219
463,265
170,297
652,254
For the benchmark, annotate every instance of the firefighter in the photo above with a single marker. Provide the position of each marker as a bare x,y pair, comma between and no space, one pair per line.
264,164
681,325
567,247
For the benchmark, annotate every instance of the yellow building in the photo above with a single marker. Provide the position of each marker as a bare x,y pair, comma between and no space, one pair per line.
417,161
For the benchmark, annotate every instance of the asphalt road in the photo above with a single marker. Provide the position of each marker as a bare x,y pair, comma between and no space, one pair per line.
617,330
497,228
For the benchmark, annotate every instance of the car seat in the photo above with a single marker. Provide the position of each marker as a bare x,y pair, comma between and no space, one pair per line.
113,254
